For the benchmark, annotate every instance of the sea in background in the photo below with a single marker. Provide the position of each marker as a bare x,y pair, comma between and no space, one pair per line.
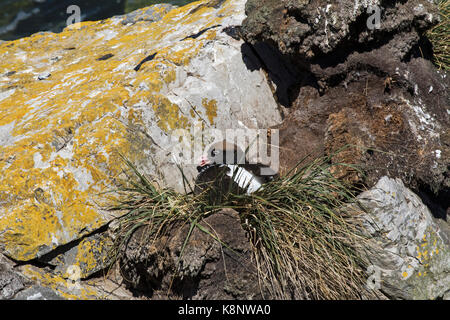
21,18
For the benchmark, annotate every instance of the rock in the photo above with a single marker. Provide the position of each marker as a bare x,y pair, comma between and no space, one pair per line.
44,76
11,282
46,284
114,89
359,86
311,29
131,5
28,282
151,14
89,255
206,269
22,18
38,293
410,257
135,85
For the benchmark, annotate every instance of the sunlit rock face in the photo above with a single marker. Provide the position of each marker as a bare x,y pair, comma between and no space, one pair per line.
72,102
410,257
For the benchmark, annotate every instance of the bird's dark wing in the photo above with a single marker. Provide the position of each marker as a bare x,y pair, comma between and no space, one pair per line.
216,181
262,172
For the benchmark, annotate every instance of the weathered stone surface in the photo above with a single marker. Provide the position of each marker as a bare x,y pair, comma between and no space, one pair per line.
38,293
37,283
314,28
131,5
71,102
46,284
206,269
411,252
11,282
369,88
89,255
151,14
112,88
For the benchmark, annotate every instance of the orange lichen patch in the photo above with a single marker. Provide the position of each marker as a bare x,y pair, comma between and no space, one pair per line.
91,256
184,55
168,113
170,76
210,109
64,131
427,249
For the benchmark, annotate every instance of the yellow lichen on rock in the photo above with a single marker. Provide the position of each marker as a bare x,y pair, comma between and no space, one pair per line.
66,288
67,102
210,109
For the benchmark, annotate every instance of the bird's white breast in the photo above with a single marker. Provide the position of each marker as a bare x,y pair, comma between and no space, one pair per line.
244,178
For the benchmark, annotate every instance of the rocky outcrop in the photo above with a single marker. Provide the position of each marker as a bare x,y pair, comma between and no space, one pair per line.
359,84
132,5
72,102
10,282
311,29
37,281
410,258
367,94
214,263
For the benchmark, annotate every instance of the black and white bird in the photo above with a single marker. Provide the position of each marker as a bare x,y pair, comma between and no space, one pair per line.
226,167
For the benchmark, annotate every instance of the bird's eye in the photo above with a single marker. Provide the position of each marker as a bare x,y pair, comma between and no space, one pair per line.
214,152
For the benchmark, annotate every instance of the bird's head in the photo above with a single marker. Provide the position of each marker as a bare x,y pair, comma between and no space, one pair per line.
222,153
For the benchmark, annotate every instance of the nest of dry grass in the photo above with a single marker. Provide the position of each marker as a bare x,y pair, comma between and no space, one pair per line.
305,245
440,37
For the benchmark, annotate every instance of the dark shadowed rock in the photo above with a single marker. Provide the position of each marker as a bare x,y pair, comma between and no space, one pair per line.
206,269
374,89
311,29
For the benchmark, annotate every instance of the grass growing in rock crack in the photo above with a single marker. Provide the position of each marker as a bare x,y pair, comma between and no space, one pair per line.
440,36
305,245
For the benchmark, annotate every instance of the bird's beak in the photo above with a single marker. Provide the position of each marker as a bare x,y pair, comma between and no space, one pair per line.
204,161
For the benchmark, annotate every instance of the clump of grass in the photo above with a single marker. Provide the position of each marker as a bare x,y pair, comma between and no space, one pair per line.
440,37
305,245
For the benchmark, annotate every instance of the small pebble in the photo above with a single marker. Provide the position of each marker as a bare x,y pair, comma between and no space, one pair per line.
44,76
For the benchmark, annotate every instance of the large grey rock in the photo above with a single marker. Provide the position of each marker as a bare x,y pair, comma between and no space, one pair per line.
410,257
165,72
38,293
191,75
14,285
11,282
150,14
89,255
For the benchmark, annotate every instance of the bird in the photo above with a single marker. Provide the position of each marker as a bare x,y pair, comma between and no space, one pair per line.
225,168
